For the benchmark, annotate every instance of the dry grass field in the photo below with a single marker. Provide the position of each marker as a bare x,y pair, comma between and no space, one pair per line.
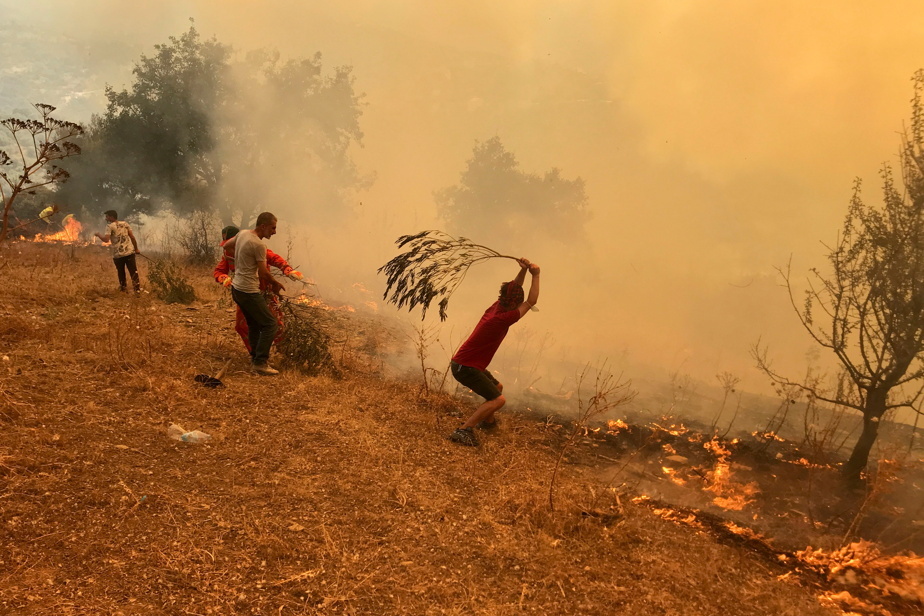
318,494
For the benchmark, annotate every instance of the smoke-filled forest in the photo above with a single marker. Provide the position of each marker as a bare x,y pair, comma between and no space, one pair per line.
713,402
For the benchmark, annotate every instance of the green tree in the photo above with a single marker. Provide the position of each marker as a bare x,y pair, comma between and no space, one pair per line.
868,310
200,130
495,200
155,141
36,146
289,114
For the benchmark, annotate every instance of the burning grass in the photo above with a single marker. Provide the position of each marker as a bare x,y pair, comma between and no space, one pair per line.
315,495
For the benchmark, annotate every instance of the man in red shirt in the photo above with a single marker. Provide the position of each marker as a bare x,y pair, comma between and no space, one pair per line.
470,363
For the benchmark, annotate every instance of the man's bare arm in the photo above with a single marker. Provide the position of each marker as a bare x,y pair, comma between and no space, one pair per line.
521,276
533,295
267,277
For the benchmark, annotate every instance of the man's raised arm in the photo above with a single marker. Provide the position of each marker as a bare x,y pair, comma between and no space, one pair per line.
533,295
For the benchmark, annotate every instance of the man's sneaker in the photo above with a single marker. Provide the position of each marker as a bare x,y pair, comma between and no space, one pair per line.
464,436
264,369
487,426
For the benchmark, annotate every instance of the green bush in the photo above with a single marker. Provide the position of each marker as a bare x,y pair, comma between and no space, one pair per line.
169,284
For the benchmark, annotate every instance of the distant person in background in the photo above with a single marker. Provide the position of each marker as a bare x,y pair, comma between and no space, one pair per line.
224,272
470,363
124,248
47,213
250,274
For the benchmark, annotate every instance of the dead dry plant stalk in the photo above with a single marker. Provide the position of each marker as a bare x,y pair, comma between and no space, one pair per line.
729,382
306,343
432,266
610,392
424,337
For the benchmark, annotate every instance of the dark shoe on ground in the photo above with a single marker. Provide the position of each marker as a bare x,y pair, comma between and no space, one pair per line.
464,436
487,426
264,369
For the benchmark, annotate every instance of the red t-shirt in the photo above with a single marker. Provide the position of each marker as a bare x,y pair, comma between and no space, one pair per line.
485,339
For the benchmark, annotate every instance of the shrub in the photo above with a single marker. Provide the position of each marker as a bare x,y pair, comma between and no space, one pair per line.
169,284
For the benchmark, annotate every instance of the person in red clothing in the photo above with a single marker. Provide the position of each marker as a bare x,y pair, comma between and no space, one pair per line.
225,270
470,363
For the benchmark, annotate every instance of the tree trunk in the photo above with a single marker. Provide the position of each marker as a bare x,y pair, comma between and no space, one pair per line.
872,412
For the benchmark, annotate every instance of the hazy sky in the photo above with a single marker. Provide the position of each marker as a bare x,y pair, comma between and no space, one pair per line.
716,138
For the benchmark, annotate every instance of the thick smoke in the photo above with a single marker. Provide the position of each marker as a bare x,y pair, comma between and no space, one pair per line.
716,142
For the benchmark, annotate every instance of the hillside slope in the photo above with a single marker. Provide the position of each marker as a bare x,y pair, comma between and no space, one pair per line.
316,495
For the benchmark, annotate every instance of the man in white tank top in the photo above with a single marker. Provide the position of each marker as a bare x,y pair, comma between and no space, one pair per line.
250,268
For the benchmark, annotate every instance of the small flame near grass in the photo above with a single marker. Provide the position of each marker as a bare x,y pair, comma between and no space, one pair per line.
314,302
862,562
673,475
70,233
615,426
729,494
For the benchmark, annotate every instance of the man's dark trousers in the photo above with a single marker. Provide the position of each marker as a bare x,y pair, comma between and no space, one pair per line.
261,324
123,263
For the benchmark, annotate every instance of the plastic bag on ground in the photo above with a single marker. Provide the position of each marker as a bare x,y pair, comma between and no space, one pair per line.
177,433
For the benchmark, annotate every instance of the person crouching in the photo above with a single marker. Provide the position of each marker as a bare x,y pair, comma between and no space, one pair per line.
469,365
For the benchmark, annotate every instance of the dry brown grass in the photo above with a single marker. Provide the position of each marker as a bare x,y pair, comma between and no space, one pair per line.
316,495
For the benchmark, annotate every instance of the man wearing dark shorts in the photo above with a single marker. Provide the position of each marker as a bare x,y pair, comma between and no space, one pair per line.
470,363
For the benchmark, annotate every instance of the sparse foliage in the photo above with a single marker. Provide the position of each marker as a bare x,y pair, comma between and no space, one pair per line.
424,337
169,283
728,382
305,343
868,310
609,392
432,266
36,146
196,235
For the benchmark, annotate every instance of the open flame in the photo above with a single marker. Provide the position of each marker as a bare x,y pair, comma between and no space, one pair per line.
673,475
729,494
316,303
862,563
70,233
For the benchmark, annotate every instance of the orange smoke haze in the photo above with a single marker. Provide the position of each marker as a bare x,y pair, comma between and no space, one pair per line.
717,140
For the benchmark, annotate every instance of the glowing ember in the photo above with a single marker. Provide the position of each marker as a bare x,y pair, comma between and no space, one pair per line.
614,427
673,475
768,436
71,232
741,531
674,430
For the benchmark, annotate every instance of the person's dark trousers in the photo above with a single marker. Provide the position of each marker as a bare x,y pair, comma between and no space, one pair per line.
261,324
127,262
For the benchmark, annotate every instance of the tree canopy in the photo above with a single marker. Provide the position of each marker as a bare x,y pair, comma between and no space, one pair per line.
201,129
495,200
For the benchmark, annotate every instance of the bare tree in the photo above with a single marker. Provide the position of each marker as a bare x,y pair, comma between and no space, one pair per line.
869,309
35,146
